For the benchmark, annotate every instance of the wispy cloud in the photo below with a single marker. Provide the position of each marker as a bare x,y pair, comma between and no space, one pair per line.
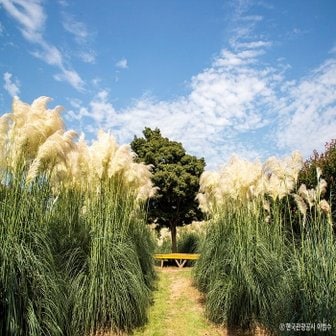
87,56
295,33
2,29
236,105
229,98
71,77
308,119
122,64
333,50
81,35
31,18
75,27
10,85
243,24
63,3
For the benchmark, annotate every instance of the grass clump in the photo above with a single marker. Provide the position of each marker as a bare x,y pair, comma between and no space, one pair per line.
267,257
240,272
113,290
31,297
75,254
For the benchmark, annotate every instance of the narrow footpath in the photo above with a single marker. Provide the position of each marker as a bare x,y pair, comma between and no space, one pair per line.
177,308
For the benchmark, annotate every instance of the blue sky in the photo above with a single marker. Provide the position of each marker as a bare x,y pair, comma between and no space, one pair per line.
251,77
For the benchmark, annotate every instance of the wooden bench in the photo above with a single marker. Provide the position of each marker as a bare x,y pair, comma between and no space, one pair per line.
180,258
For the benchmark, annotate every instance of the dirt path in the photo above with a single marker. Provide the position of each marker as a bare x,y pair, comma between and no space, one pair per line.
177,308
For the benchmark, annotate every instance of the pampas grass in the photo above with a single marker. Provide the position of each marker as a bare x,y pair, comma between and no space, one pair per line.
262,262
76,255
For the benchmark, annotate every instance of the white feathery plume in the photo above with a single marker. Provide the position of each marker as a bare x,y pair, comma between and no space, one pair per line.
276,187
282,175
321,188
239,178
4,127
273,166
121,160
302,206
324,206
52,151
79,172
204,202
31,125
308,195
209,181
40,104
20,112
266,205
318,173
294,164
102,151
138,177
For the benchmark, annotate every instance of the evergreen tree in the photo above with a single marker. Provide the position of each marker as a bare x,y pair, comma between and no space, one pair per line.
177,174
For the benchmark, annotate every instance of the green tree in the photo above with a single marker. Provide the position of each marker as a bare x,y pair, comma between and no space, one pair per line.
177,175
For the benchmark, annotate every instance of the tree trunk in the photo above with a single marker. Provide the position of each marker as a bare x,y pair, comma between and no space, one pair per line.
173,237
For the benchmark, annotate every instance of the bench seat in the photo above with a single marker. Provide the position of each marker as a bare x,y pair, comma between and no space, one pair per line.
180,258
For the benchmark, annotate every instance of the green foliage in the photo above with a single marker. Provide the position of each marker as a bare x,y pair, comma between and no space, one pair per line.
176,173
66,271
32,300
313,271
110,287
241,269
165,247
327,162
255,269
188,242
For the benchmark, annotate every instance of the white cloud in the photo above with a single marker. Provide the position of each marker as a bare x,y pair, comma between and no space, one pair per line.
253,45
49,54
10,85
71,77
82,37
63,3
308,119
96,81
2,29
229,98
333,50
76,28
122,64
31,18
295,33
29,14
236,105
88,56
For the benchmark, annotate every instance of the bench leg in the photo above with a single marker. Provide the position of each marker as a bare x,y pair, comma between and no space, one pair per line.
162,263
180,263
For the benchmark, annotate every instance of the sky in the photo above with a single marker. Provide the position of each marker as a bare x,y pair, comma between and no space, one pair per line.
255,78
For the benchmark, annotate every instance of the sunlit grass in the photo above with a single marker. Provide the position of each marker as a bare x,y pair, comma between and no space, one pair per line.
176,308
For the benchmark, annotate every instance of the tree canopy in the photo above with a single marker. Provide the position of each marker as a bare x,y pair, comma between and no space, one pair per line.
177,174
